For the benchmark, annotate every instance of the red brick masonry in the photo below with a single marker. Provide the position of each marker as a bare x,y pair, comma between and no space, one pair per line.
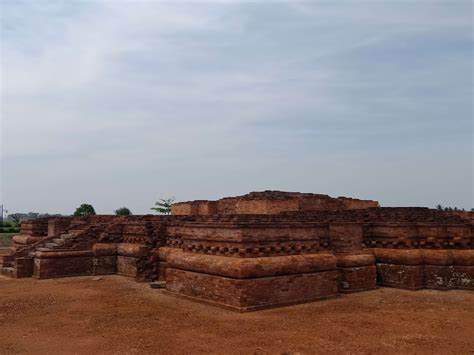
259,250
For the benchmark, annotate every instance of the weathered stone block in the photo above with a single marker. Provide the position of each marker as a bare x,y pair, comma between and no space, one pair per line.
162,271
105,265
463,277
127,266
253,294
439,277
356,279
400,276
345,237
62,264
24,267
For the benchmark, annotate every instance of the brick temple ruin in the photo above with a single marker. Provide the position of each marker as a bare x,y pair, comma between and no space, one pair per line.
260,250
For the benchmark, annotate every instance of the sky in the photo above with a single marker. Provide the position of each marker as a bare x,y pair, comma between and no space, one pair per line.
120,103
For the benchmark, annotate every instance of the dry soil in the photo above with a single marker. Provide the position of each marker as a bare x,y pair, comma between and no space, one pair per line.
115,315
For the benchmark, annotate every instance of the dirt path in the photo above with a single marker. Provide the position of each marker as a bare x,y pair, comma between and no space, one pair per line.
117,315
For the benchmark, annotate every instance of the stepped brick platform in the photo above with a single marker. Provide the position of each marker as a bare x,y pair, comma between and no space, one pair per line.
269,202
278,249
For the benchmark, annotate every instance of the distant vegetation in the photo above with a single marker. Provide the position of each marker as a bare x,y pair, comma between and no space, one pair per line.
123,211
84,210
163,206
451,209
28,216
10,226
7,230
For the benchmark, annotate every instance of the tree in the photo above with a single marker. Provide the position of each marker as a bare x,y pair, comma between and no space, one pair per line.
84,210
15,221
163,206
123,211
439,207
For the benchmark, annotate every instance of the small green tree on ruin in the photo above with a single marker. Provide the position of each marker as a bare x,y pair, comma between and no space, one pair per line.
163,206
16,220
84,210
123,211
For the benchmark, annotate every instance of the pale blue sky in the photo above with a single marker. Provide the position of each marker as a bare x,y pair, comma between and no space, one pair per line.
118,103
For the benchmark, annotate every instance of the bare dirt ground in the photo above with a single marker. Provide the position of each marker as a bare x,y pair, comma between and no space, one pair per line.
117,315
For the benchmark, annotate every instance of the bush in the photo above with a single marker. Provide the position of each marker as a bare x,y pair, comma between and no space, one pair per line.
6,224
84,210
123,211
9,229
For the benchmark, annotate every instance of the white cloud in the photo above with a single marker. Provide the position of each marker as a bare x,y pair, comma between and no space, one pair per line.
120,102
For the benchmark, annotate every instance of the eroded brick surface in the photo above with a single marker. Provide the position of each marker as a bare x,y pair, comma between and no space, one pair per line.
259,250
250,294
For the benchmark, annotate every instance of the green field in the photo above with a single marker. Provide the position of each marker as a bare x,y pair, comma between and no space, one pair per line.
6,239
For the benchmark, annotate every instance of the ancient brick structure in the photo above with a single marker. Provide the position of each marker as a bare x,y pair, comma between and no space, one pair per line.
260,250
270,202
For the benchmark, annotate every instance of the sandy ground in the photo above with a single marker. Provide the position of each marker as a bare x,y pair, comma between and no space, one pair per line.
117,315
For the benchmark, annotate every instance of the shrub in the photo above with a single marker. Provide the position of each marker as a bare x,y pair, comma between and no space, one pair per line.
123,211
84,210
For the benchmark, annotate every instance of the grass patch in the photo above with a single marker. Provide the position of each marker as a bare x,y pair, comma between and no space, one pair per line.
6,239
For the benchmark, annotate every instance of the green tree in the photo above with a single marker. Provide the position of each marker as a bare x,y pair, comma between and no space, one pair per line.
16,220
439,207
123,211
84,210
163,206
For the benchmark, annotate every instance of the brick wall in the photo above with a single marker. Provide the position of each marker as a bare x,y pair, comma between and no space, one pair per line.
269,202
293,248
253,294
425,268
61,264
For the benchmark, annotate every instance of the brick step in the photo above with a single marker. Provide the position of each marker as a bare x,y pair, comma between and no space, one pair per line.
43,249
31,254
158,284
66,236
50,245
59,241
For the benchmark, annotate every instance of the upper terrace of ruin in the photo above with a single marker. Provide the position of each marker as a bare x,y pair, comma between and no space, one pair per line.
270,202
